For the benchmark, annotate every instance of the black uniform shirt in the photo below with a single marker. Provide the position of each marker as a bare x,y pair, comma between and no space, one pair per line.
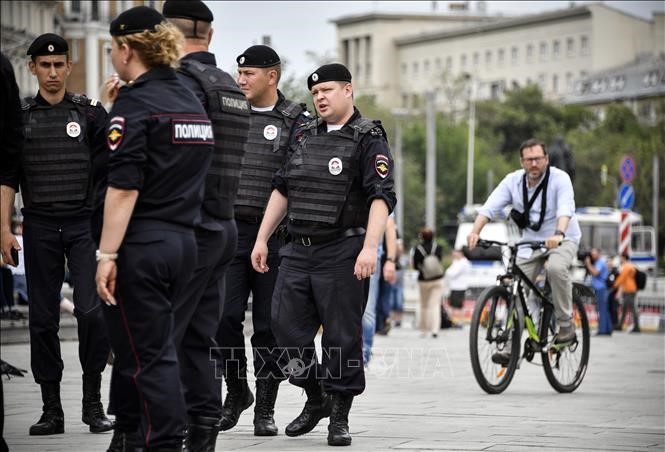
10,120
160,142
368,180
95,138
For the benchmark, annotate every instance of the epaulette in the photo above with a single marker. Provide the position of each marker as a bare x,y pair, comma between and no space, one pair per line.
290,109
27,103
82,99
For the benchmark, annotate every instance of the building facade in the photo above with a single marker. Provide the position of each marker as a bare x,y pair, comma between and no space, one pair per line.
85,26
552,49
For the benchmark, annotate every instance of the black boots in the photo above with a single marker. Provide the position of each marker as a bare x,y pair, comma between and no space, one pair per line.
53,418
93,411
201,434
124,442
338,429
266,394
317,407
238,398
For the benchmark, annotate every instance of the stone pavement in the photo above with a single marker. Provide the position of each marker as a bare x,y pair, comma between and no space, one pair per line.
421,395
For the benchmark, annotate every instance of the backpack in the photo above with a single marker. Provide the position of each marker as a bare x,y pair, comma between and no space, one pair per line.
640,279
431,267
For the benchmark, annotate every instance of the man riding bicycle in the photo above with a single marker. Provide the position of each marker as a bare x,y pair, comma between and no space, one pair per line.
543,207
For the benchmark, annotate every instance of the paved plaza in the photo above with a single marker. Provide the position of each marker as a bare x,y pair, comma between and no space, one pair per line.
421,395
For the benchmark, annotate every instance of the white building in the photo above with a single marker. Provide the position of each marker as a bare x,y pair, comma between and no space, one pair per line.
553,49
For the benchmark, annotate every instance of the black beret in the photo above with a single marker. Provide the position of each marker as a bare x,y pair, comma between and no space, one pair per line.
334,72
136,20
258,56
187,9
48,44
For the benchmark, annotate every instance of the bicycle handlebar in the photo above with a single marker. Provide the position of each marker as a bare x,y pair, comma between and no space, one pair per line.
534,244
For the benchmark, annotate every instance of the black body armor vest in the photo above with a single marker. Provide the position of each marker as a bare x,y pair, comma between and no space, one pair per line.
321,173
56,156
229,112
266,149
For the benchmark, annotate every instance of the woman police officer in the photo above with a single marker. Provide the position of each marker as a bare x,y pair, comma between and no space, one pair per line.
160,142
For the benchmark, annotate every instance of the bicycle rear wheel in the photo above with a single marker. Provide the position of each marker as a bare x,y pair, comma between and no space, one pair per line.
491,319
565,365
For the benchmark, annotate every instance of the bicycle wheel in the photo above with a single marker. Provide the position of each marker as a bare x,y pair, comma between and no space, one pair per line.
565,365
491,319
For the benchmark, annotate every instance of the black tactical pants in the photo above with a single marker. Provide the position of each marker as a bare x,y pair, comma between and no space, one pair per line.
197,315
153,268
241,279
46,244
316,286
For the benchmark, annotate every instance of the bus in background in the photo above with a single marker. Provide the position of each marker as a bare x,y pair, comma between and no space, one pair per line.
600,229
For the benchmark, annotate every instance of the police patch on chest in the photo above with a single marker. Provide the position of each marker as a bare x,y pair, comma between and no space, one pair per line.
382,166
73,129
116,132
335,166
191,131
270,132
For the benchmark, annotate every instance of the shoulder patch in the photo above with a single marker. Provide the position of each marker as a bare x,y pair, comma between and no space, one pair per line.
115,133
93,102
27,103
376,131
382,165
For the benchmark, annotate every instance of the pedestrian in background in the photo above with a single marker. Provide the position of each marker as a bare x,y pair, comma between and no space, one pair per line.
427,257
597,268
627,290
160,142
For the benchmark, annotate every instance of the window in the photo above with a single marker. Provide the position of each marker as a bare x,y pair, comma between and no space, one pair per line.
476,58
488,57
529,53
368,56
584,45
94,10
541,82
404,69
556,50
463,61
107,69
426,66
438,64
76,6
415,68
449,63
514,55
405,100
501,57
569,82
345,52
543,51
570,47
555,83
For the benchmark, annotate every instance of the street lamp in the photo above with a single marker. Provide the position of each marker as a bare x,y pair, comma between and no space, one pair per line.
400,114
472,134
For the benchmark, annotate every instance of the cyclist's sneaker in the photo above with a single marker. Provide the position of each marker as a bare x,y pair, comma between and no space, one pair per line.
566,334
502,358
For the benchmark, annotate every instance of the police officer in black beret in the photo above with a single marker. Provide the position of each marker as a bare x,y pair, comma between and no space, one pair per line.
272,121
198,311
160,144
64,142
336,191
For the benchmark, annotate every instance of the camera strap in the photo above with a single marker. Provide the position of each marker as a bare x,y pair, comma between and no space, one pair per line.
529,202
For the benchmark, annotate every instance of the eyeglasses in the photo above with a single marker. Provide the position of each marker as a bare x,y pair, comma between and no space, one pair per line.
532,160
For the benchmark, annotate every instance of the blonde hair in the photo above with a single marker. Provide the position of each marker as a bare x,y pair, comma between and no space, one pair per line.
156,48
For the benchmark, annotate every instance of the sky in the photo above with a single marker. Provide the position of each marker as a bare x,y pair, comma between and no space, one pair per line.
296,27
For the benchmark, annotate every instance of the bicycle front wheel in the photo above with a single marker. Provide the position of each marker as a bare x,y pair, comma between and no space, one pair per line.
565,365
494,341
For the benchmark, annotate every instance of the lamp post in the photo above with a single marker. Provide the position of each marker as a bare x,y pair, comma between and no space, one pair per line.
430,162
399,114
471,140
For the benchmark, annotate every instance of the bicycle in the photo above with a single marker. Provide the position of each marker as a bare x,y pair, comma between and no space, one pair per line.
502,312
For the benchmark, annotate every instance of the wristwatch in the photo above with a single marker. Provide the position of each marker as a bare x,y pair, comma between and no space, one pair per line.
560,232
390,259
99,256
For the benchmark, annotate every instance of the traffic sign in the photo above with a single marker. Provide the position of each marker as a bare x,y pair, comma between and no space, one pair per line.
626,196
627,169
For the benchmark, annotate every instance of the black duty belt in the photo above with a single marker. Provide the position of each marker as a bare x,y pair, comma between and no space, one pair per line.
306,240
248,219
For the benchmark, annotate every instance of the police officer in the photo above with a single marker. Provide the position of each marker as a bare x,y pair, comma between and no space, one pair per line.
336,189
64,141
160,142
273,118
198,311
